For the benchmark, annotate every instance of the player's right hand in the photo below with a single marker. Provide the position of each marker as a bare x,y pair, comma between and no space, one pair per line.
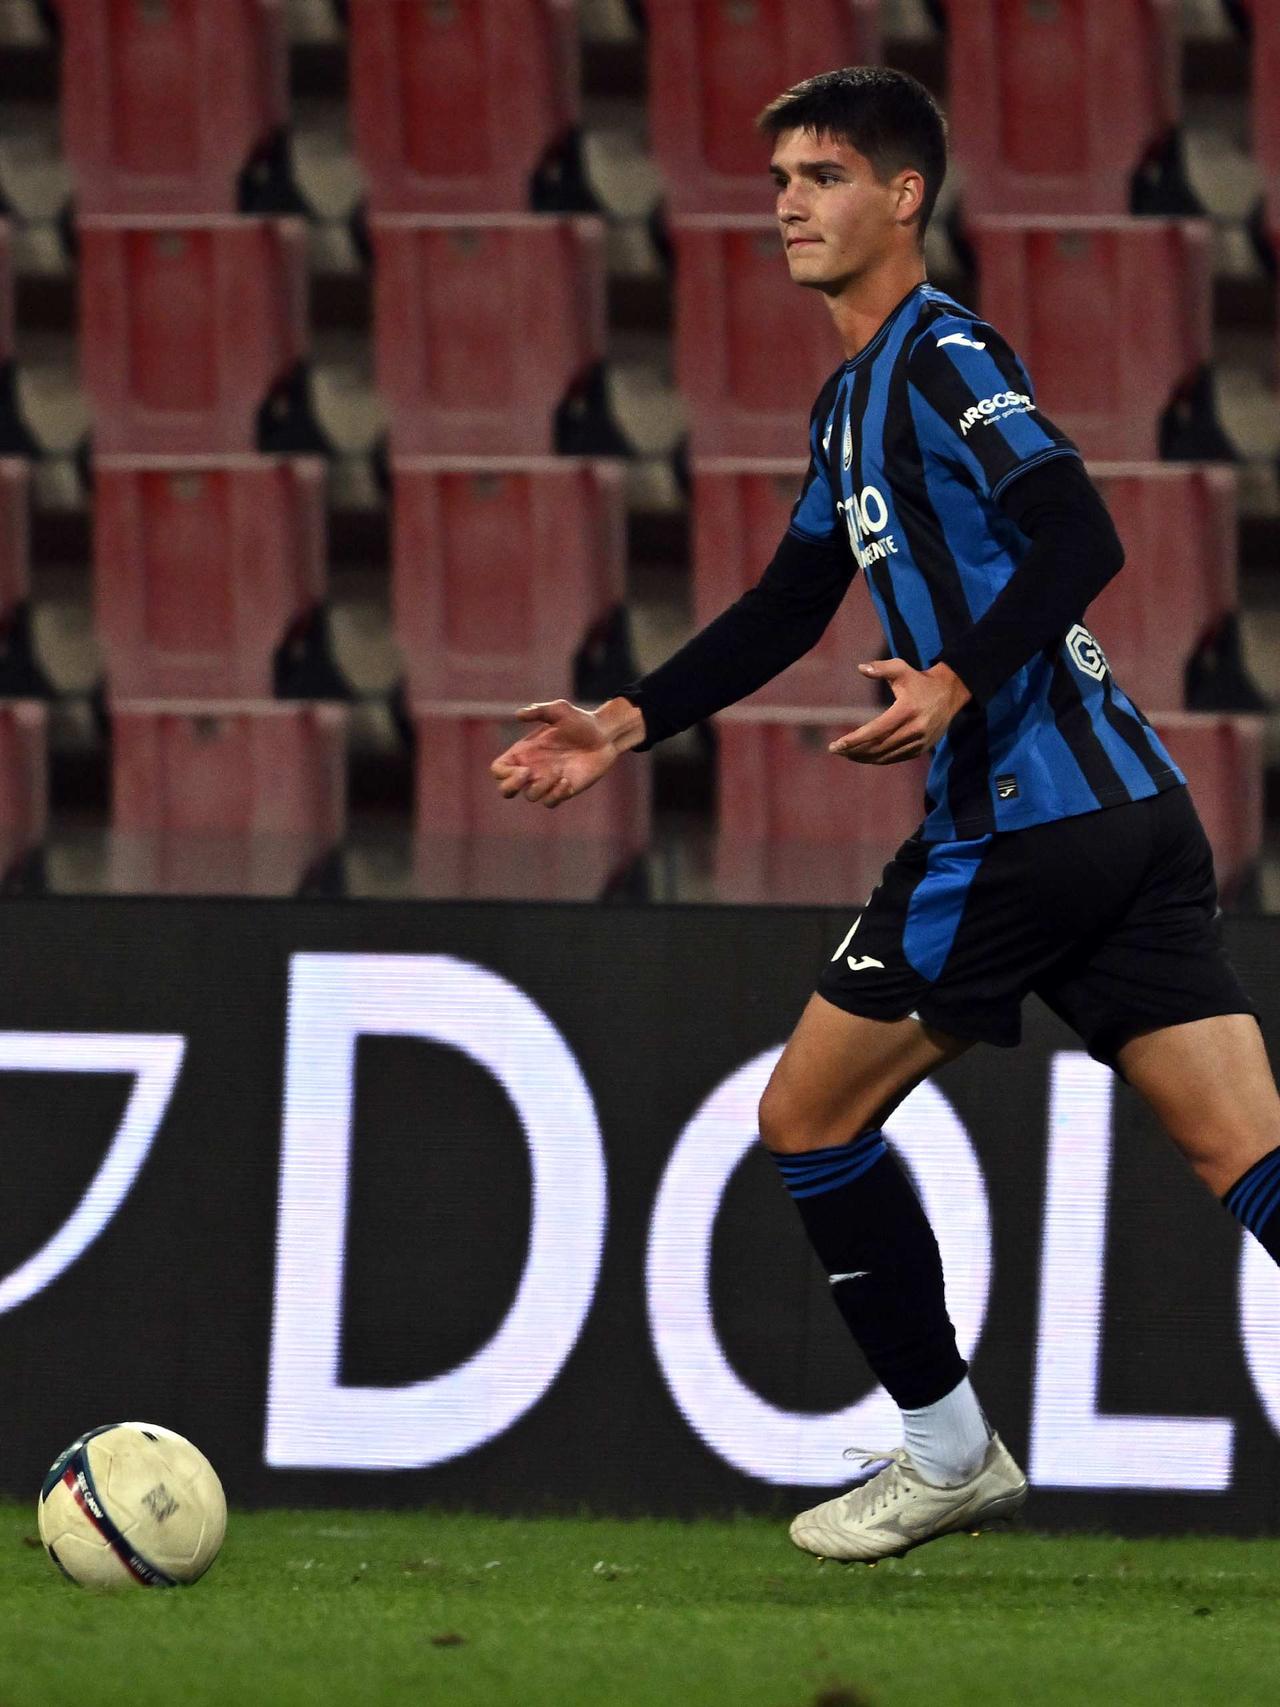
567,753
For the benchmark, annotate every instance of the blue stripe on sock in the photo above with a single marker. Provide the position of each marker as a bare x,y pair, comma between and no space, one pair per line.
1245,1194
806,1176
1264,1209
807,1167
859,1159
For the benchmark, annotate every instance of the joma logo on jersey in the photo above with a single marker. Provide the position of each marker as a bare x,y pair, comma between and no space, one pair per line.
1003,403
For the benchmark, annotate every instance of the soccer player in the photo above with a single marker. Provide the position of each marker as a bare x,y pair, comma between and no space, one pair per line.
1059,852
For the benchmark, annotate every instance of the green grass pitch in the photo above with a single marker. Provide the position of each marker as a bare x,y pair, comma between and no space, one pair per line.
367,1608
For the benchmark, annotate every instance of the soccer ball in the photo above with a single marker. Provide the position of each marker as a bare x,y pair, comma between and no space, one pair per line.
132,1505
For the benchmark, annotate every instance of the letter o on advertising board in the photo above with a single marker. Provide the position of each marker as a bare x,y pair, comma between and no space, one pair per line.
755,1437
314,1420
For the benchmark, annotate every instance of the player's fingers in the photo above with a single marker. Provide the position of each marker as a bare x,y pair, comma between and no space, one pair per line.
885,668
548,711
540,788
871,734
514,781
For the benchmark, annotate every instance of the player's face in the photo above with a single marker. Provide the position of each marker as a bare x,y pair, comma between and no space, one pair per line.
837,219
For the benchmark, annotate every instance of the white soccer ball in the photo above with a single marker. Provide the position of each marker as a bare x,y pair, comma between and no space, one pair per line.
132,1505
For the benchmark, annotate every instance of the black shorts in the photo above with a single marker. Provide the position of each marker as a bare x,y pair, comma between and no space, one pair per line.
1111,918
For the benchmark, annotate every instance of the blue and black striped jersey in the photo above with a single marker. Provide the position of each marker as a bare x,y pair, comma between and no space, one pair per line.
913,441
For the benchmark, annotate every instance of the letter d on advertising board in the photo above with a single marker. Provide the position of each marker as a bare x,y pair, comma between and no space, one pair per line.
313,1420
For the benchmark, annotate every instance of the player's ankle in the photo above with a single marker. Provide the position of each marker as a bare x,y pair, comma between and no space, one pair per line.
948,1440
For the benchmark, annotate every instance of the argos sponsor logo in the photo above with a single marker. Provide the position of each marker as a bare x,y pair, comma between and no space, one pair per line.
996,408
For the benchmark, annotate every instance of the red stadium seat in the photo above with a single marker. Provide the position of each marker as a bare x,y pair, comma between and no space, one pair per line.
185,327
482,325
1110,316
796,824
470,841
232,796
163,105
500,569
24,779
1179,527
712,68
1052,107
740,512
1266,105
201,566
1222,759
455,107
751,349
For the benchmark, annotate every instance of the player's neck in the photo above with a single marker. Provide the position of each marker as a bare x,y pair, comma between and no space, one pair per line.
867,301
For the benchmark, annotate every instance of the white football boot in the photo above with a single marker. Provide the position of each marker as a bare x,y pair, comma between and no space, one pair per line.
895,1509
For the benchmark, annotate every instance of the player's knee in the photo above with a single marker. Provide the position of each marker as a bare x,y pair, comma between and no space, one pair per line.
791,1123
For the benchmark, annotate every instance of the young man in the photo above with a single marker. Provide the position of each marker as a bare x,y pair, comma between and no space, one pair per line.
1060,852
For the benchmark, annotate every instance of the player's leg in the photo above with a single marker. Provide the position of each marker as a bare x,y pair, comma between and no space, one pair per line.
839,1078
1209,1082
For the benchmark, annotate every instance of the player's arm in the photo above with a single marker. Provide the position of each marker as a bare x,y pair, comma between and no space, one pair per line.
775,622
1075,551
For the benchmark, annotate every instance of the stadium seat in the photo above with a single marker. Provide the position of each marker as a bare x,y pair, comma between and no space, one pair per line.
712,68
455,107
1222,758
1265,20
751,351
186,325
501,569
6,293
1111,317
1179,527
1052,107
740,512
201,566
795,823
24,780
469,841
230,797
163,105
481,326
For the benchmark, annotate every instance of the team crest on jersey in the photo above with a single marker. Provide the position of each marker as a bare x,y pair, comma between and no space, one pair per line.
848,444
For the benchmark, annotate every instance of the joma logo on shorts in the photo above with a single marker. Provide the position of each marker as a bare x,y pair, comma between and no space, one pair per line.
1011,402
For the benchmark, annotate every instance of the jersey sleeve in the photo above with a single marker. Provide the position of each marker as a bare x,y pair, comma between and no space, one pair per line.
814,515
974,405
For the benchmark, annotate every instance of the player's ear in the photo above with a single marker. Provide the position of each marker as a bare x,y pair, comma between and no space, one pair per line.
908,194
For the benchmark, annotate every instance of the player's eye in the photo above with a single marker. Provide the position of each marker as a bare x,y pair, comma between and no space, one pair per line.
827,178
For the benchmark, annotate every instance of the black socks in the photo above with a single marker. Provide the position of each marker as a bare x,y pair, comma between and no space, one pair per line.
872,1237
1254,1199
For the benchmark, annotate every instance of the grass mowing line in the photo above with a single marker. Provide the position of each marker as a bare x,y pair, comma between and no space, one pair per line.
384,1609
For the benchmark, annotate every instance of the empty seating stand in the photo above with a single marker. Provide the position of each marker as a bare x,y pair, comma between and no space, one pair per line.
15,574
469,841
501,570
1179,528
795,823
751,350
24,782
458,106
481,327
186,327
740,511
1222,758
713,66
1111,317
201,567
235,796
163,105
1053,107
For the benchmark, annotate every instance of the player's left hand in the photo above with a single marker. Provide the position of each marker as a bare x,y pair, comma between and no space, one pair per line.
924,702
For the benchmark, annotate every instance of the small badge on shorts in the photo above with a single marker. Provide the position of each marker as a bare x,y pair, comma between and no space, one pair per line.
1007,787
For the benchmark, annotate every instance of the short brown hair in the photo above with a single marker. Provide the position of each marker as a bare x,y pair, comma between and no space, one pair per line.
886,115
